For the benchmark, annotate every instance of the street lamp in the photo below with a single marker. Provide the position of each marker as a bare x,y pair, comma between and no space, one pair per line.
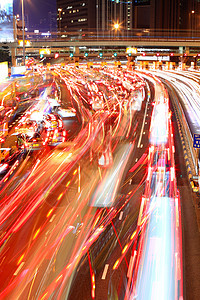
116,26
191,21
23,32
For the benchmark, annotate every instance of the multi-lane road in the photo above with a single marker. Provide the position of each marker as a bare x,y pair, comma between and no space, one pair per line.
96,194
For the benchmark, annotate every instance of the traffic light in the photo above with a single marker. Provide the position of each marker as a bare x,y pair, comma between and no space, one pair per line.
56,55
86,54
115,54
41,55
71,55
129,54
100,54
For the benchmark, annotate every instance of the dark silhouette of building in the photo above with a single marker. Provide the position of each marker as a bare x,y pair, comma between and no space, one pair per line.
101,15
52,21
76,15
169,14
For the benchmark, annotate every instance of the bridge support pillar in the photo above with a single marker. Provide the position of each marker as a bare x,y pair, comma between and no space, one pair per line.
76,50
180,50
187,50
13,57
131,62
76,55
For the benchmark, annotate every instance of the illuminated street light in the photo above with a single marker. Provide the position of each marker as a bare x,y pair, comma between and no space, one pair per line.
192,21
116,26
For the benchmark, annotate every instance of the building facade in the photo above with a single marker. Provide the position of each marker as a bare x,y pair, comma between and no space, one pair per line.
101,15
76,15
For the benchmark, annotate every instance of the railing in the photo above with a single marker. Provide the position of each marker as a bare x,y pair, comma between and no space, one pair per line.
147,34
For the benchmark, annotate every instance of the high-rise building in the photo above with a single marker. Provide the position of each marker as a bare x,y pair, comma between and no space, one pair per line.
169,14
101,15
97,15
76,15
194,15
52,21
109,13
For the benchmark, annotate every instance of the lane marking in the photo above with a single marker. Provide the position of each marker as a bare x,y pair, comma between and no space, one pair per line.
105,271
52,218
120,216
142,129
19,268
130,268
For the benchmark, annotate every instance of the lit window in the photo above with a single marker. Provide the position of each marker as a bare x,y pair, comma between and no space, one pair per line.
82,20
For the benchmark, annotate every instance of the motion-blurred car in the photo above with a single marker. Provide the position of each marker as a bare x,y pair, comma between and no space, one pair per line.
6,165
66,114
52,122
30,143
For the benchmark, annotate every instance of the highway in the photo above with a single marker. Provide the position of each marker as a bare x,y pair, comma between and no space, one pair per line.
158,259
95,204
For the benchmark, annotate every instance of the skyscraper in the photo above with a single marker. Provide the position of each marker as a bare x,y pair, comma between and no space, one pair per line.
169,14
76,15
97,15
52,20
101,15
112,12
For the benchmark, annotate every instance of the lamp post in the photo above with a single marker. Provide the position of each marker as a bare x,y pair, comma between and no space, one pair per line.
23,32
191,21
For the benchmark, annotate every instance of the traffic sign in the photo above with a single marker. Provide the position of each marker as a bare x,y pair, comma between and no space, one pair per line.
196,141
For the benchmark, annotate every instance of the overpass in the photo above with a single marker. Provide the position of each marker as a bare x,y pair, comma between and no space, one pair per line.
164,41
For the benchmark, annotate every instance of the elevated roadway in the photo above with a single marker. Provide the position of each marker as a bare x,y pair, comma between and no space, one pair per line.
179,43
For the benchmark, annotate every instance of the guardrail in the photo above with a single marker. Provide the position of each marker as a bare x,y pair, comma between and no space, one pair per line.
119,34
186,136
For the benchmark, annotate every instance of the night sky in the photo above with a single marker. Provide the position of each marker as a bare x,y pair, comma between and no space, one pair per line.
35,9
